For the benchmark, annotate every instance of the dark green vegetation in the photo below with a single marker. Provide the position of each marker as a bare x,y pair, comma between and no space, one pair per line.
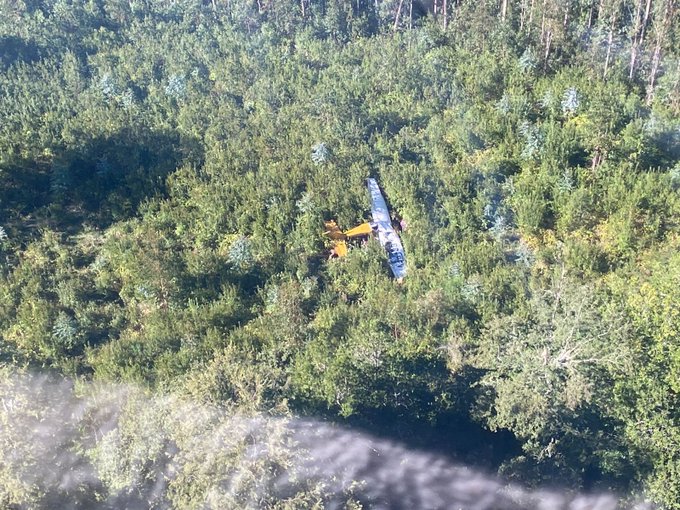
166,167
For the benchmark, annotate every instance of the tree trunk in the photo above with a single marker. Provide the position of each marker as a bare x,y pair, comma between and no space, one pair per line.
645,20
504,10
661,33
609,54
599,9
633,55
543,21
655,69
446,13
610,41
597,158
396,19
634,39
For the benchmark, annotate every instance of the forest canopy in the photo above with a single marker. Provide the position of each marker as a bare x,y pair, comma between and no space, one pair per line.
166,169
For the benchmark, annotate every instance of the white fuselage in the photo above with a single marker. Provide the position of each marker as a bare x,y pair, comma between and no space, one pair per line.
382,225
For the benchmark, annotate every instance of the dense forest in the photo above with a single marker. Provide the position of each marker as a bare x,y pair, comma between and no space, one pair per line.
166,169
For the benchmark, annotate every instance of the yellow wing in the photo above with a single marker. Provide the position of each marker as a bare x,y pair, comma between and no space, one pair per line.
338,237
361,230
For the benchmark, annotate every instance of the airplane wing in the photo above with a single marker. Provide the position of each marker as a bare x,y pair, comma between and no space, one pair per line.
387,236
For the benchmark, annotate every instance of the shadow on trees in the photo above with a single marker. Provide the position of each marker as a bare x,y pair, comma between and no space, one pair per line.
15,49
102,181
430,425
431,413
452,432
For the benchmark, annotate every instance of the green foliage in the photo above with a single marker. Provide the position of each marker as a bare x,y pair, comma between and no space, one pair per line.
165,170
649,403
550,369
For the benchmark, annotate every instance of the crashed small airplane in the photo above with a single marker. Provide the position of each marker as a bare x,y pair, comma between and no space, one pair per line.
381,227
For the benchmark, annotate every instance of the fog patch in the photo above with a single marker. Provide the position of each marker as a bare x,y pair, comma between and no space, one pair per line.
70,445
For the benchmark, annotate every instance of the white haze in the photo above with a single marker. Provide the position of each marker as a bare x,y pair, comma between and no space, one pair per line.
103,446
